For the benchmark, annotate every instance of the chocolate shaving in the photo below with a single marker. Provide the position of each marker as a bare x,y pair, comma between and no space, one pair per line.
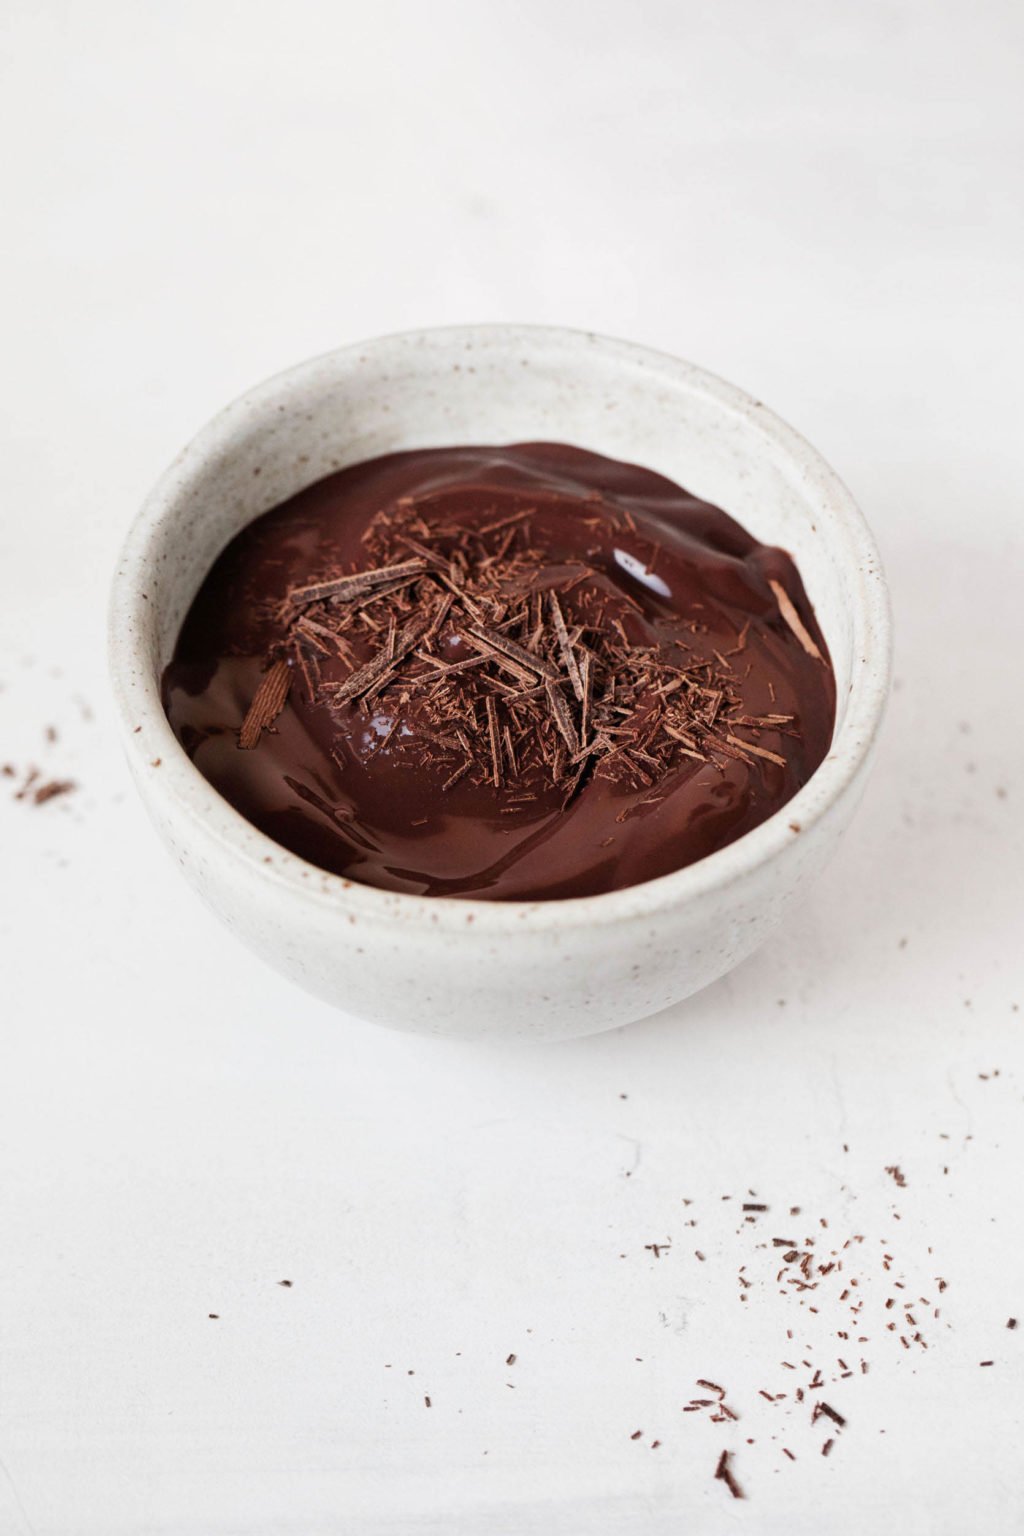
346,588
52,789
454,778
793,619
31,778
527,660
267,703
748,746
320,637
565,646
585,697
723,1473
383,663
522,674
562,718
492,731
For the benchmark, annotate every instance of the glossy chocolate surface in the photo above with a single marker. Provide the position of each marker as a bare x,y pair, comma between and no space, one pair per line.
345,787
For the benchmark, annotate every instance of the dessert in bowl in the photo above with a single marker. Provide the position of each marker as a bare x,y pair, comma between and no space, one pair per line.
502,680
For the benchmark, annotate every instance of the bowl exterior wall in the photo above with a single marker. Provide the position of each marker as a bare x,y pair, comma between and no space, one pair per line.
554,969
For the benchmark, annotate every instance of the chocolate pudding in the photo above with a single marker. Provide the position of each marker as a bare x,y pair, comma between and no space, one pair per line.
510,674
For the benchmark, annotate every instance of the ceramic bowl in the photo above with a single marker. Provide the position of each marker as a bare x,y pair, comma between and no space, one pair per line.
451,967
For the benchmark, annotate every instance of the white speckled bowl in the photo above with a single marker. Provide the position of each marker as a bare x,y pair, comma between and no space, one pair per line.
451,967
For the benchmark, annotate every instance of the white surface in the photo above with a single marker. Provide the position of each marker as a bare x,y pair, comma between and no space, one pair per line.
819,201
477,970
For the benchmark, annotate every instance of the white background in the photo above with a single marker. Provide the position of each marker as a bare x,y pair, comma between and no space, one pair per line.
820,201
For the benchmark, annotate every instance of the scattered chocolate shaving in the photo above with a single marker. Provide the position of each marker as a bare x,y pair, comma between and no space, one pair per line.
31,777
52,789
823,1408
724,1475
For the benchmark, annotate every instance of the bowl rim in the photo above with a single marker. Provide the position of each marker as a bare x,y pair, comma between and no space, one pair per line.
151,741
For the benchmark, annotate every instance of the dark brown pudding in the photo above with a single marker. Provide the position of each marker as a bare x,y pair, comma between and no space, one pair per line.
504,673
